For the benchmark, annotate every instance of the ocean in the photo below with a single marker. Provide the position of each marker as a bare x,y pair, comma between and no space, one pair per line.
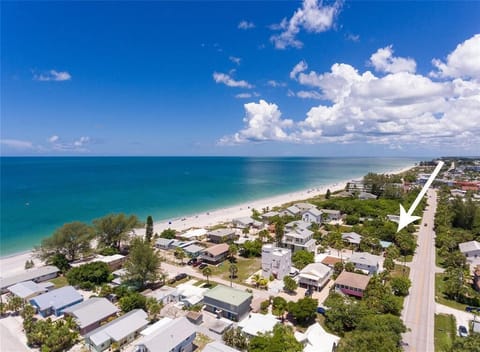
40,194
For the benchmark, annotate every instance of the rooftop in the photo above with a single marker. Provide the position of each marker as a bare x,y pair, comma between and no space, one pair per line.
352,237
58,298
217,346
30,274
169,335
26,289
365,258
316,339
314,211
228,295
222,232
258,324
193,248
328,260
331,211
352,280
193,233
469,246
315,270
217,249
91,311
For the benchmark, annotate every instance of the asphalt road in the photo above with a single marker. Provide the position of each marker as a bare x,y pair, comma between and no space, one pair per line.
419,309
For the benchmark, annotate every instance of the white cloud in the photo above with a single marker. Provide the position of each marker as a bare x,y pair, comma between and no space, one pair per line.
53,139
384,61
353,37
17,144
229,81
78,145
235,59
275,84
313,17
246,95
246,25
395,109
53,75
263,123
463,62
300,67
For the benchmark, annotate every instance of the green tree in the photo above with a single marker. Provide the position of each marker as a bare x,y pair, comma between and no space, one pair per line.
60,261
280,340
72,240
87,276
389,264
252,248
367,341
15,303
467,344
304,310
131,301
233,269
235,338
400,285
328,194
169,234
153,308
279,231
112,229
207,271
149,229
180,254
337,268
279,306
105,290
289,284
350,267
301,258
29,264
143,263
232,251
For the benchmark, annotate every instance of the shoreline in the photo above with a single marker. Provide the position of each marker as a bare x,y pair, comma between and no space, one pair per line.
14,263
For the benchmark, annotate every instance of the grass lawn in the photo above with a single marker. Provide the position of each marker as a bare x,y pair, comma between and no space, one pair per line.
59,281
246,267
445,332
440,296
401,270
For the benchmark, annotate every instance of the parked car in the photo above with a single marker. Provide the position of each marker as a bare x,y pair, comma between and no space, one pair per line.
202,266
321,310
192,261
180,276
308,292
462,331
197,263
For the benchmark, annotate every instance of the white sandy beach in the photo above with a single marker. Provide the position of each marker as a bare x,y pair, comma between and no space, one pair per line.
15,263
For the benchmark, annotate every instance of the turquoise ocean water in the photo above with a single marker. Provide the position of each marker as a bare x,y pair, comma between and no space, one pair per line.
40,194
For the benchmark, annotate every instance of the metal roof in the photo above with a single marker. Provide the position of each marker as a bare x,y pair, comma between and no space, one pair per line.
228,295
91,311
217,346
469,246
169,335
26,289
58,298
31,274
365,258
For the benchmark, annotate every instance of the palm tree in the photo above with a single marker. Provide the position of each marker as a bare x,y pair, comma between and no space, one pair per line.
256,279
233,273
279,232
232,251
207,272
180,254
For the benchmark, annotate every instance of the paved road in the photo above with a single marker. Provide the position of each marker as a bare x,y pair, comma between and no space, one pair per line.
11,336
419,310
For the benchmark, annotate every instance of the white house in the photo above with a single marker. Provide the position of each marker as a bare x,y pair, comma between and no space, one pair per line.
194,234
314,276
299,239
291,211
312,215
304,206
331,215
352,237
189,294
365,261
276,261
39,274
257,323
470,249
246,222
316,339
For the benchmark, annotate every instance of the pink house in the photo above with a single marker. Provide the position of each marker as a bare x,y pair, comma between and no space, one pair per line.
351,283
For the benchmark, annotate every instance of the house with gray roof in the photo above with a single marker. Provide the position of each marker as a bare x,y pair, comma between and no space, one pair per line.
352,238
315,276
90,314
297,224
56,301
312,215
175,336
164,243
267,217
217,346
122,330
304,206
222,235
291,211
246,222
367,262
193,250
331,215
39,274
27,289
228,302
470,249
299,239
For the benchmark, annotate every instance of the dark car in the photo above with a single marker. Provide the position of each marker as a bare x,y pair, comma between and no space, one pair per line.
462,331
202,266
321,310
180,276
192,261
197,263
308,292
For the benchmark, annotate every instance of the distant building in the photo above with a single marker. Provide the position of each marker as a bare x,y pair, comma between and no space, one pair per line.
291,211
316,339
215,254
175,336
331,215
470,249
366,196
122,330
312,215
366,261
352,283
114,261
217,346
222,235
189,294
27,289
299,239
56,301
194,234
90,314
331,261
314,276
39,274
352,238
193,250
228,302
165,294
276,261
164,243
297,224
267,217
246,222
305,206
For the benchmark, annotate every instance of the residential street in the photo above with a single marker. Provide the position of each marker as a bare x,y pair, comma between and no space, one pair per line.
419,309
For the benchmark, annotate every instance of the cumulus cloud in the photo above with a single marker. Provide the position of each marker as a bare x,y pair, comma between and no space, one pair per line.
463,62
53,75
17,144
312,17
263,122
384,61
229,81
246,25
77,145
395,108
300,67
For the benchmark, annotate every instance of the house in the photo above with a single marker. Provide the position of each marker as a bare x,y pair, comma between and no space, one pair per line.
189,294
352,238
365,261
267,217
27,289
297,224
355,186
351,283
121,331
276,261
314,276
299,239
228,302
194,234
331,215
257,323
331,261
175,336
114,261
217,346
304,206
193,250
291,211
470,249
215,254
312,215
37,275
246,222
90,314
165,294
222,235
54,302
316,339
164,243
366,196
118,277
458,193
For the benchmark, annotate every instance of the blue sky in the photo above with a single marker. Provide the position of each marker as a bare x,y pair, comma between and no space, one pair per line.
240,78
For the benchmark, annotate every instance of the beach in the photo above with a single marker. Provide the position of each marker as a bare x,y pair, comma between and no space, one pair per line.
15,263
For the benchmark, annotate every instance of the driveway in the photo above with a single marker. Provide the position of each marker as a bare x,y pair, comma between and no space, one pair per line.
461,317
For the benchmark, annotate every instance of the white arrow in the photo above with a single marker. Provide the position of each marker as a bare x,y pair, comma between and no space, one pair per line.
407,218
